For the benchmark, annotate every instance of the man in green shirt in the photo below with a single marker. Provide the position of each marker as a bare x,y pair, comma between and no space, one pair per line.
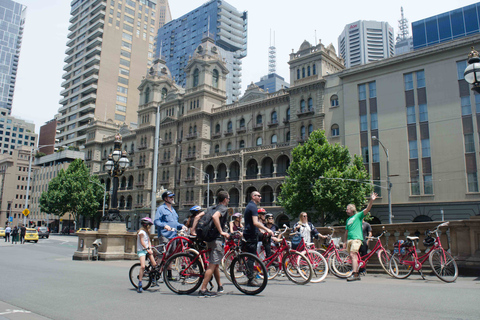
354,234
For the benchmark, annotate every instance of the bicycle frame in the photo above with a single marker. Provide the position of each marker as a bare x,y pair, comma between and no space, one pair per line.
418,262
362,260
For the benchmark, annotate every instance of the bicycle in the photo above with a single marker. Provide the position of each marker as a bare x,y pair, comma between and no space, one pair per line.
232,248
405,258
345,266
333,255
318,261
190,269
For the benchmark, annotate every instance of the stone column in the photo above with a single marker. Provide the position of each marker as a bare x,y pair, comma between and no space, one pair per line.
274,169
228,174
215,175
259,172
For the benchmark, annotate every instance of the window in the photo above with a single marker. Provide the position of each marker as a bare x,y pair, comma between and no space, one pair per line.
414,185
421,79
259,141
461,66
365,154
310,104
288,114
314,69
122,90
302,106
375,154
215,78
472,182
124,62
217,148
298,73
302,132
408,80
229,126
363,123
273,140
427,184
412,146
147,94
229,146
335,130
124,72
334,101
287,137
466,107
217,128
259,119
121,108
374,121
119,117
303,72
423,112
242,144
426,148
411,115
308,71
164,93
127,36
469,143
273,117
121,99
195,77
372,90
310,129
242,123
362,94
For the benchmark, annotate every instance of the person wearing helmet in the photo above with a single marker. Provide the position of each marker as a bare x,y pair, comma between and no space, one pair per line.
144,247
166,218
236,223
194,211
270,222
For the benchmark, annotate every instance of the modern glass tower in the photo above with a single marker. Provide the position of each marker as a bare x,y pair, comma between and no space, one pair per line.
446,26
12,20
178,39
110,47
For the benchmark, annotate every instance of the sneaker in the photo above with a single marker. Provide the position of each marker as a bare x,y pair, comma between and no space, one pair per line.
207,293
154,283
140,288
253,283
220,289
354,277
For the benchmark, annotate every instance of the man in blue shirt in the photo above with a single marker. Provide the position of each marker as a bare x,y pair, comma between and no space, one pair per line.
166,218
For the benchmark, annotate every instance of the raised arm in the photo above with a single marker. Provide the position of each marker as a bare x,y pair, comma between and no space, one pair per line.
370,202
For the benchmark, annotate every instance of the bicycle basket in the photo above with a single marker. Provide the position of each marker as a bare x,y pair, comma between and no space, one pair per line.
428,242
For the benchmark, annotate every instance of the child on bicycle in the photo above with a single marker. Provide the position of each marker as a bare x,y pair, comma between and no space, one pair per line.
144,248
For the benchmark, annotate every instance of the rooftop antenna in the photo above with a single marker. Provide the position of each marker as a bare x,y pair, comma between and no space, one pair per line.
316,37
403,33
272,55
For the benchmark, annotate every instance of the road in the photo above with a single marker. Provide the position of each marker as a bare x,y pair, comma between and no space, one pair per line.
41,281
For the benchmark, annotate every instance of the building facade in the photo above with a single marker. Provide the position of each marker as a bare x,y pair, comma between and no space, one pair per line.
111,44
363,41
46,137
447,26
178,40
15,132
12,21
272,83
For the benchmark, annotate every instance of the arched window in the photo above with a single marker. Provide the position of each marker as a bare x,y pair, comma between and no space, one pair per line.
164,93
302,132
147,94
195,77
217,128
287,136
229,146
288,114
166,136
335,130
229,126
170,136
303,72
195,129
190,130
259,141
310,104
259,119
217,148
310,129
188,172
242,144
194,150
314,69
189,150
302,106
334,101
273,140
274,117
242,122
308,71
298,73
215,78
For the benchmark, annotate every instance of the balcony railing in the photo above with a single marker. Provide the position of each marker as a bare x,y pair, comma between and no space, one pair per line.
165,161
273,123
241,129
228,133
189,179
258,126
192,136
305,112
166,142
216,135
190,157
142,147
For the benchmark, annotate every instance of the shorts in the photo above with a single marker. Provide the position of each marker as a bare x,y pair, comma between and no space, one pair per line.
353,245
216,254
142,253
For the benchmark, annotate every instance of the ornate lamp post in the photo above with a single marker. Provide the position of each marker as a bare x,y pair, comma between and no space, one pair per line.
115,166
472,72
389,184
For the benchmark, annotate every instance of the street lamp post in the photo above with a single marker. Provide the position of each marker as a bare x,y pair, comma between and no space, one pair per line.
115,166
207,176
472,72
389,184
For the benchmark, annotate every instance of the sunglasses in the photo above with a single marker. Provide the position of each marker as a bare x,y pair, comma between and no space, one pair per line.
257,195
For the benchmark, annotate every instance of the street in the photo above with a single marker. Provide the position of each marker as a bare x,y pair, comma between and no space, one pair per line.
41,281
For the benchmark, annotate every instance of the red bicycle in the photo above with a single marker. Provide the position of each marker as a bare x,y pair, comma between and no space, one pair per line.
318,261
405,258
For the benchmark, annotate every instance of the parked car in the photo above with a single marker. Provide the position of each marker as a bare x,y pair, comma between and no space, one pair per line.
2,232
43,232
31,235
84,229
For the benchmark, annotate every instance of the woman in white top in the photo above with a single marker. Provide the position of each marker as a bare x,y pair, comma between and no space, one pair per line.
144,247
307,229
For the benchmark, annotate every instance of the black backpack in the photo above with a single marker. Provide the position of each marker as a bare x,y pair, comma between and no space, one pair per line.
206,229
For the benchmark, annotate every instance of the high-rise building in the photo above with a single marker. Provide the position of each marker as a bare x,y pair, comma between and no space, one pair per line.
272,83
15,132
446,26
46,137
110,46
178,39
12,20
363,41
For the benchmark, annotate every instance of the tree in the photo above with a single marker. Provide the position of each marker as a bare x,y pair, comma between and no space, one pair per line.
323,179
73,191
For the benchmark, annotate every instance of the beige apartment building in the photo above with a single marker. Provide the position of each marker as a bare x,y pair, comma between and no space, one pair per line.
110,46
417,104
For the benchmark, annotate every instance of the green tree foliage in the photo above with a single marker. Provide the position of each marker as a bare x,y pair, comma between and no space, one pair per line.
73,191
323,179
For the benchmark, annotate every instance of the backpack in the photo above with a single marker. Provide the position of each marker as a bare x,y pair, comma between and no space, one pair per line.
206,229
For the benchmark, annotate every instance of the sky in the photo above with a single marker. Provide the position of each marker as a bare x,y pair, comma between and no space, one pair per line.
39,77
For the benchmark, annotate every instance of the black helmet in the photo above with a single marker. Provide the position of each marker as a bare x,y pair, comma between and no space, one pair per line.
429,241
167,194
268,215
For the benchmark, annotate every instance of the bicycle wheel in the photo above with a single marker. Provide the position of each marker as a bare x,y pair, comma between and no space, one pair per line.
248,282
134,273
397,268
273,269
186,273
319,266
226,262
444,265
340,263
297,267
384,258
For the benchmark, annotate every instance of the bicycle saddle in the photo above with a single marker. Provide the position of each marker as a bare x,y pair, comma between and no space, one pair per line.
412,238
